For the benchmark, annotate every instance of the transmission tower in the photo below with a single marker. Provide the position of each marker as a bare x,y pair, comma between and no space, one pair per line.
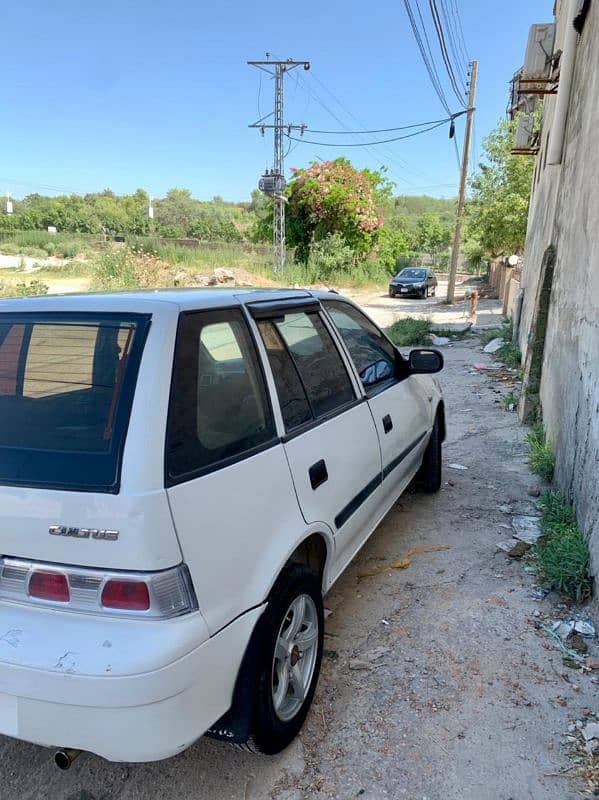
272,182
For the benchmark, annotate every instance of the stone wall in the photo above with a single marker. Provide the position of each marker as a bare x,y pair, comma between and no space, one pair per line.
565,214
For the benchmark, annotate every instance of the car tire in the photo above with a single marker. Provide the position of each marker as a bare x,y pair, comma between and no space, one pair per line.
423,293
391,293
279,713
429,475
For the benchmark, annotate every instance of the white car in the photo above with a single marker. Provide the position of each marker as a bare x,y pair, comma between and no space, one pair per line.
183,476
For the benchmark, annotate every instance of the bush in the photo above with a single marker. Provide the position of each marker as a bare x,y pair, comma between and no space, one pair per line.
9,248
31,289
114,270
409,331
563,552
330,256
34,252
541,458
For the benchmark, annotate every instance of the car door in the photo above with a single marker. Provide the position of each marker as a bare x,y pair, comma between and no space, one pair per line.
228,484
329,435
400,405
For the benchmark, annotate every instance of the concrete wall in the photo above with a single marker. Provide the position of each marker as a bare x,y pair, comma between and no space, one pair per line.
565,213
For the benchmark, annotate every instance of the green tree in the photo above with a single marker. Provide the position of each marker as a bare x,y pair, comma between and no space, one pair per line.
432,236
334,197
497,212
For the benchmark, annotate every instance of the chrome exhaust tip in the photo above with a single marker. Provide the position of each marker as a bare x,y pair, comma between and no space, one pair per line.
64,758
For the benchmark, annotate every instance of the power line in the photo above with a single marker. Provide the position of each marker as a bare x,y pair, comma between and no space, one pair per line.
366,144
389,130
444,54
450,22
428,60
460,30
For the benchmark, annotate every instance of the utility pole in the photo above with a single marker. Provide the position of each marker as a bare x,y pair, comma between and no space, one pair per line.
457,237
273,182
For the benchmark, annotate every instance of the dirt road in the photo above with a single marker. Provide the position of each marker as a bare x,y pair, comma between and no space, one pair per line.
436,685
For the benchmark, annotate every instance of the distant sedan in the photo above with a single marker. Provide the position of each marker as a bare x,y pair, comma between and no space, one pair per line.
416,281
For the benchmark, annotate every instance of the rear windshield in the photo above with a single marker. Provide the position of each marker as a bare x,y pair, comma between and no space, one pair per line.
413,274
66,388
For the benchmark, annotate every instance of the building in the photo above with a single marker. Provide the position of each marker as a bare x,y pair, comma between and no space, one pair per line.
558,323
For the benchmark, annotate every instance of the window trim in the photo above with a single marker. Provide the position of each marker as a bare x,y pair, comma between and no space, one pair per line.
374,390
175,480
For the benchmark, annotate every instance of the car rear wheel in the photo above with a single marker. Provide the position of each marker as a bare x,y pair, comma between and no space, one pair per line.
293,629
429,476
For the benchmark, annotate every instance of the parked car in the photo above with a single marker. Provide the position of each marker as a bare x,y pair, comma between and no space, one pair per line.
183,475
417,281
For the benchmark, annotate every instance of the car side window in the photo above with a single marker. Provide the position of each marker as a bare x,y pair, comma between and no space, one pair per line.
374,356
219,408
309,373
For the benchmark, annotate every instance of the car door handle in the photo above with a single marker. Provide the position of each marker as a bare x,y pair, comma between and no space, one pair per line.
318,474
387,423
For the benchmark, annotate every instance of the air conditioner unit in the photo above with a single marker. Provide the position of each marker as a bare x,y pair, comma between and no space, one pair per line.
523,136
537,62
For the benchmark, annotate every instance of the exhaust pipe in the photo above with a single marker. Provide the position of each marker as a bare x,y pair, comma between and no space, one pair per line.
65,757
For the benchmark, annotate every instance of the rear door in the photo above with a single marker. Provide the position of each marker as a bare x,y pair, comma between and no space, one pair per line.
400,406
330,439
229,487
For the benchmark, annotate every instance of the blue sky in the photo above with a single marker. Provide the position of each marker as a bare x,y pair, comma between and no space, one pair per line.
156,95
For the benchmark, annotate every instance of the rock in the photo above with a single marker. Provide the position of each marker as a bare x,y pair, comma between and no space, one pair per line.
514,548
534,491
357,663
452,327
592,663
591,731
505,509
527,529
220,276
577,643
376,653
494,345
585,627
440,341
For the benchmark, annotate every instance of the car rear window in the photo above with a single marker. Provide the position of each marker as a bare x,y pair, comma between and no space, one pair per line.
66,388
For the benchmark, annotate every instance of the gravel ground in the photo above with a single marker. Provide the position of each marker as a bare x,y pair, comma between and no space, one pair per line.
437,683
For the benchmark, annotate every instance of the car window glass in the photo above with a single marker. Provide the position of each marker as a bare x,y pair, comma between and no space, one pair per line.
219,405
372,353
318,362
295,407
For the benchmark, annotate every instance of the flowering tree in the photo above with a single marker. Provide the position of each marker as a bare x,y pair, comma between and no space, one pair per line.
333,197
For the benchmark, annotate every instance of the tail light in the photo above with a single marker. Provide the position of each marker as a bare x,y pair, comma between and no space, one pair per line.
143,595
49,586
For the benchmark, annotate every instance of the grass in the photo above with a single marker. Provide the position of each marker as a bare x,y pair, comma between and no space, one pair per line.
409,331
40,244
509,353
509,399
563,552
541,458
34,288
488,336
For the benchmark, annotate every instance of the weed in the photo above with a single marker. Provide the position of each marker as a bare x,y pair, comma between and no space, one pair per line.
510,355
488,336
509,401
563,552
114,270
9,248
541,458
409,331
32,289
33,252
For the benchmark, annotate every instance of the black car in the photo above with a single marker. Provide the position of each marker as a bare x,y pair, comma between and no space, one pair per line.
417,281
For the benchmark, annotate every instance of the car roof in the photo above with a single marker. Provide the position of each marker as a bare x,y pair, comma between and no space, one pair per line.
152,300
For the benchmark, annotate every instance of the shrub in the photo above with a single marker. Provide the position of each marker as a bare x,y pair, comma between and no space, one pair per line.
114,270
329,256
541,458
409,331
9,248
563,552
31,289
34,252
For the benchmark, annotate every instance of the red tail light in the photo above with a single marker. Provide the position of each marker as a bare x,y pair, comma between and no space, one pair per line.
127,595
49,586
